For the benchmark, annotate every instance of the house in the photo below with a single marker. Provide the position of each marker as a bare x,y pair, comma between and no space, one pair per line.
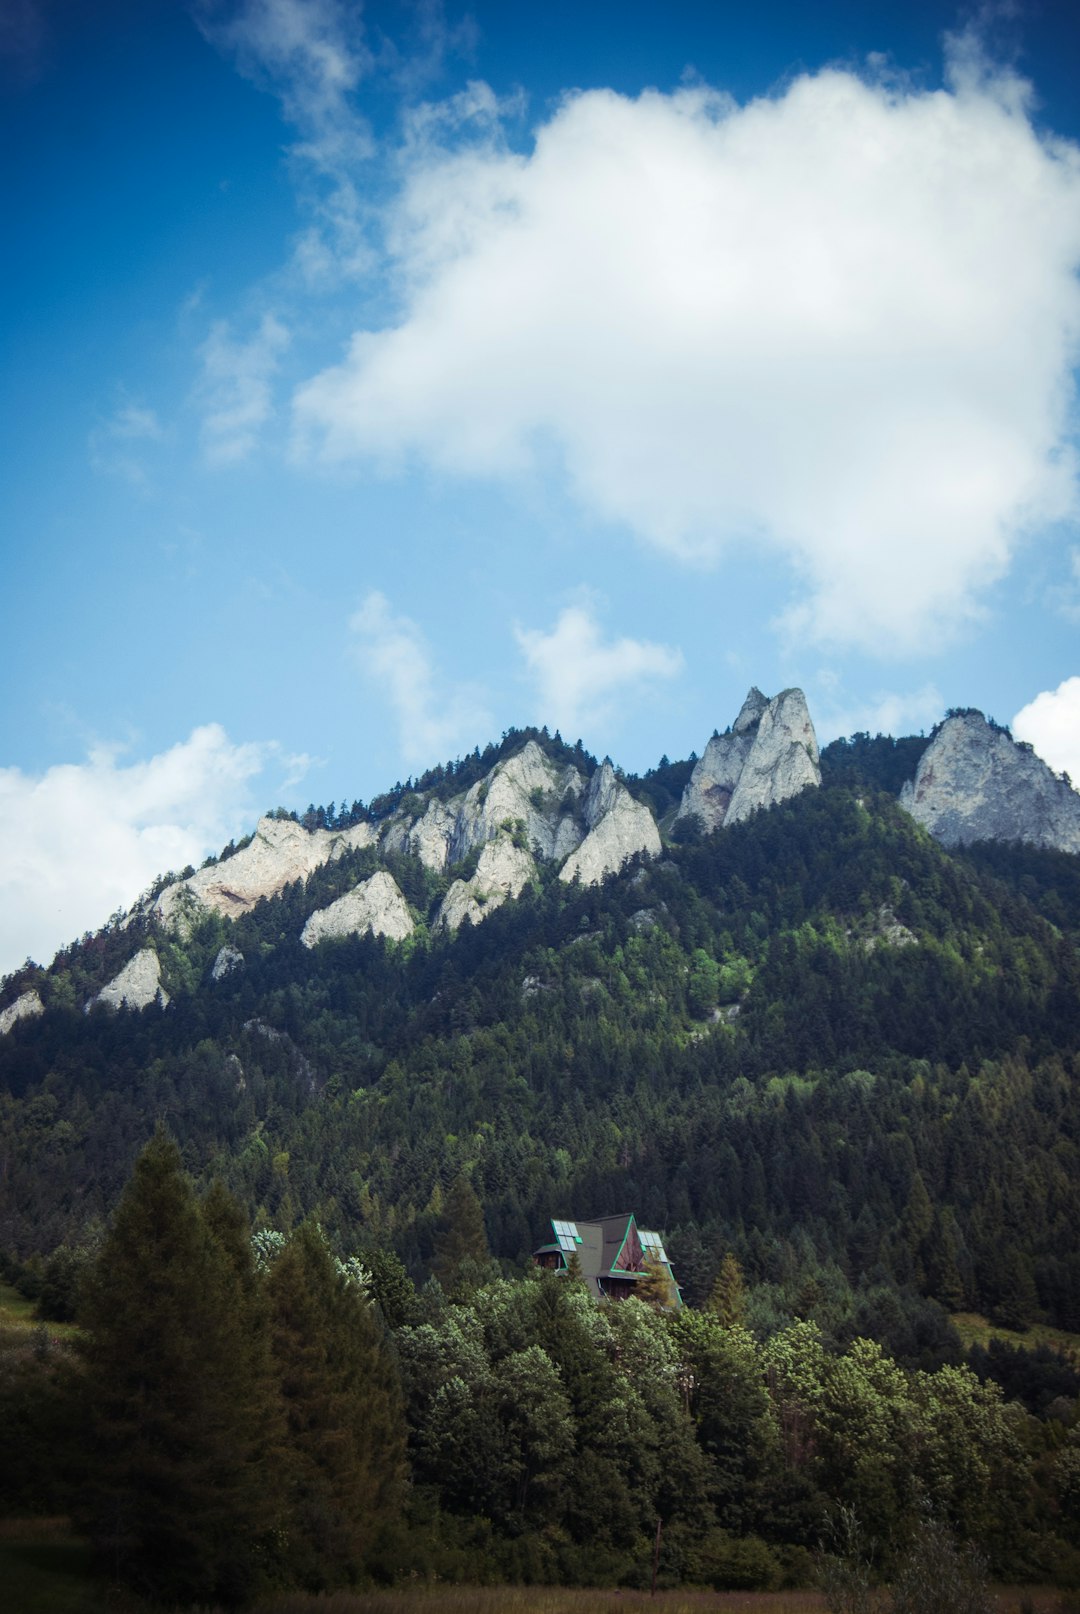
611,1252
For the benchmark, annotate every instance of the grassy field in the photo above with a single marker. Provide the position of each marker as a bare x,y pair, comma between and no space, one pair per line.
555,1600
46,1569
974,1329
15,1312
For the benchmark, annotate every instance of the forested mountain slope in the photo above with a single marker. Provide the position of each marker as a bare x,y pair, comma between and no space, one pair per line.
814,1037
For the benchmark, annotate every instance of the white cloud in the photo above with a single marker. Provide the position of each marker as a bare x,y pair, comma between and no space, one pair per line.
580,680
838,321
312,54
433,720
1051,723
236,388
886,712
84,839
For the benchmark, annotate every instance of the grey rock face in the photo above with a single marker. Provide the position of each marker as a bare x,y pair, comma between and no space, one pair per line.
975,783
137,985
528,787
504,870
770,754
26,1007
280,852
783,760
429,839
712,784
375,905
228,959
619,828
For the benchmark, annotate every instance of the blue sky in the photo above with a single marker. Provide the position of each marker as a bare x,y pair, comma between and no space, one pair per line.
378,377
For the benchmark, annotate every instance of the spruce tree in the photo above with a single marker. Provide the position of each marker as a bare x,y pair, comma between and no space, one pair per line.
345,1467
462,1256
727,1298
180,1417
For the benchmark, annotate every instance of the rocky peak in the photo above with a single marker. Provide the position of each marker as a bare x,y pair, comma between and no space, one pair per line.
751,711
280,851
975,783
619,828
783,759
528,787
770,754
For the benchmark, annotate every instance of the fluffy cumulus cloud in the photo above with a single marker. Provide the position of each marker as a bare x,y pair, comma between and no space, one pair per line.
84,839
1051,723
236,388
434,719
837,321
580,680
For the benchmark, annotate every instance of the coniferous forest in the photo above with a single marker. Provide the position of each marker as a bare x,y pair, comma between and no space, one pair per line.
292,1217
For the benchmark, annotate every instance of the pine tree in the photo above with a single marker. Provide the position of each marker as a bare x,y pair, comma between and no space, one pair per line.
727,1298
344,1472
181,1420
654,1286
462,1256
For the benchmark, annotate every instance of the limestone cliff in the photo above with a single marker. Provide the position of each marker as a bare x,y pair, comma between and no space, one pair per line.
527,789
279,852
227,960
375,906
769,754
26,1007
503,871
619,827
136,986
975,783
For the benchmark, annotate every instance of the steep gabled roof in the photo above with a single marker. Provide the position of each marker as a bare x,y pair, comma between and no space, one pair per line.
611,1250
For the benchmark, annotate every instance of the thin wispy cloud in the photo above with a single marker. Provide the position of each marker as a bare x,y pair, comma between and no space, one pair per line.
435,720
235,391
115,444
582,681
92,835
768,326
895,712
1051,724
312,55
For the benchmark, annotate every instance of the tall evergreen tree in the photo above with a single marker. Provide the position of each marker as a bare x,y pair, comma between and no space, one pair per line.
727,1298
462,1256
344,1473
177,1498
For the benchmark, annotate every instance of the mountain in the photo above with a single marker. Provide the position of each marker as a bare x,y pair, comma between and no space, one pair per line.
974,782
747,997
769,754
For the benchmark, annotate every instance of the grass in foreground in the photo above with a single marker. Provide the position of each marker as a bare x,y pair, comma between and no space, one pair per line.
46,1569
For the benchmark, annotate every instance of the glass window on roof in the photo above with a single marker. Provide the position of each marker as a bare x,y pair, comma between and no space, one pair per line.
567,1234
653,1242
